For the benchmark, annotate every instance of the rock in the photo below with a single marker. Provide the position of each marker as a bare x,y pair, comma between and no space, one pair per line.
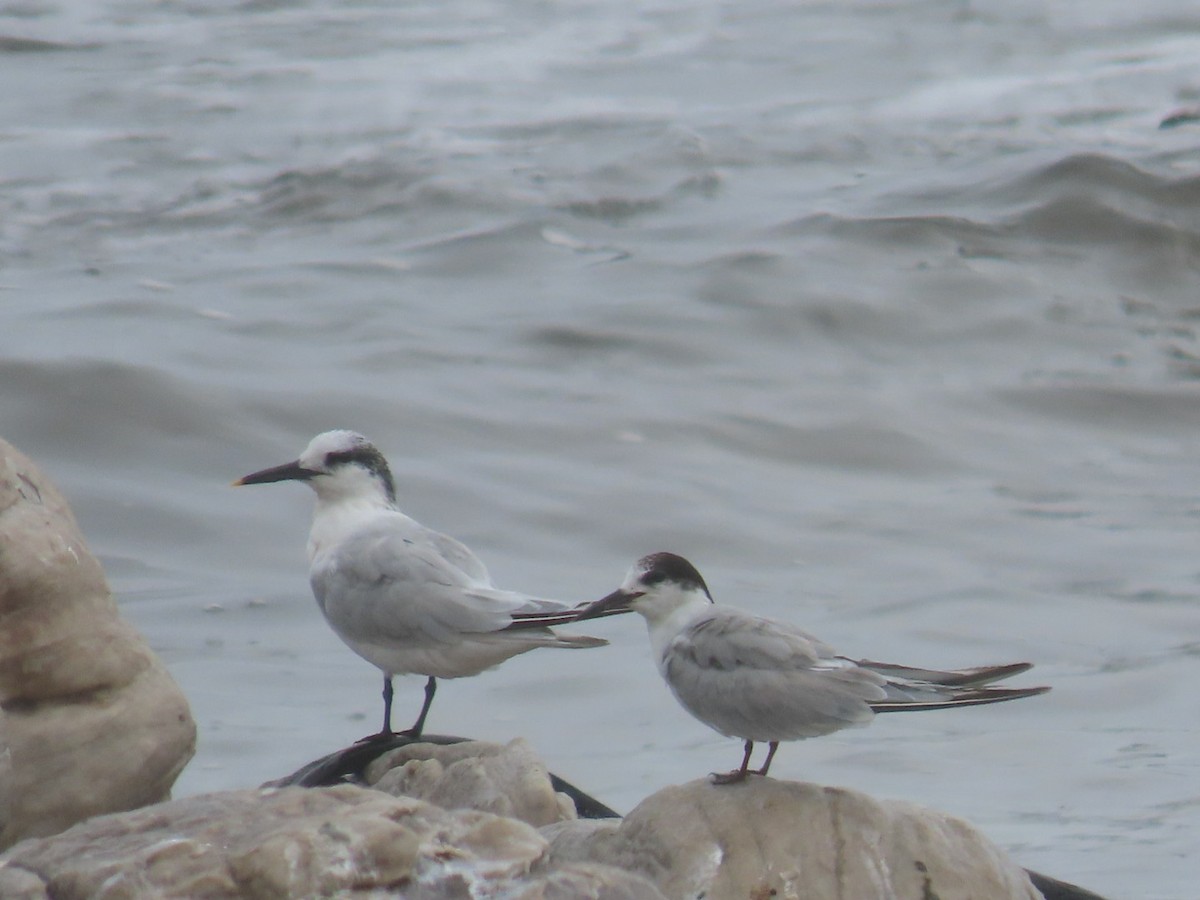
350,764
508,780
1053,889
303,842
779,839
763,838
587,881
90,721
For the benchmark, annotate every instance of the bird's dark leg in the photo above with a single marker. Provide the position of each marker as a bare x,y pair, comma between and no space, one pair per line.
773,746
387,705
738,774
419,725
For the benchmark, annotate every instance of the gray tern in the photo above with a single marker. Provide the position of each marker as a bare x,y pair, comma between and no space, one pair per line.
760,679
406,598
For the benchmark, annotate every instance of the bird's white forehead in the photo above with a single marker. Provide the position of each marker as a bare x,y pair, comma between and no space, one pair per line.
633,578
338,441
637,572
665,568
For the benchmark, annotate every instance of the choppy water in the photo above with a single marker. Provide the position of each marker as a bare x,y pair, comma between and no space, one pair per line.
884,314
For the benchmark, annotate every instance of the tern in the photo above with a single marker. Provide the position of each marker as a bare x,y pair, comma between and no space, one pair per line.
763,680
405,598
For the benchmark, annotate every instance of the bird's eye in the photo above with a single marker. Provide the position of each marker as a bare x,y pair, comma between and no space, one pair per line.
339,457
653,577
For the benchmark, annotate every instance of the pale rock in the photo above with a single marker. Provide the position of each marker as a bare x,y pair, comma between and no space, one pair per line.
505,779
341,841
581,839
589,881
779,839
90,720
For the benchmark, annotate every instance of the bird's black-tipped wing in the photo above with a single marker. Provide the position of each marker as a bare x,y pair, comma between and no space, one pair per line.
972,677
951,699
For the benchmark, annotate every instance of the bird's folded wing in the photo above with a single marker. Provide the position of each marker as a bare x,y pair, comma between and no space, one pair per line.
727,639
977,675
765,681
458,555
381,583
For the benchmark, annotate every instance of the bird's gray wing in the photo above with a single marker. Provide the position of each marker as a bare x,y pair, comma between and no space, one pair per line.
526,611
977,676
761,680
457,554
726,639
398,584
909,688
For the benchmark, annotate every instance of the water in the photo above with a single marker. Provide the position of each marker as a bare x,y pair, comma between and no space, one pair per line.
883,314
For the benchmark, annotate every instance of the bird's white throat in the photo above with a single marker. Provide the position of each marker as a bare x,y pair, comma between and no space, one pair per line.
664,621
338,516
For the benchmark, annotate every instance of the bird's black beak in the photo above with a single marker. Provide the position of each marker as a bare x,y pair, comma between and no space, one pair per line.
292,471
617,602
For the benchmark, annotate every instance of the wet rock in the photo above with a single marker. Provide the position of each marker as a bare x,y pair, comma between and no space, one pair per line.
90,720
302,842
505,779
768,838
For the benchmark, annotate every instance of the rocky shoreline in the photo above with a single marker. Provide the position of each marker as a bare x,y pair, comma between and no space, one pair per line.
93,733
